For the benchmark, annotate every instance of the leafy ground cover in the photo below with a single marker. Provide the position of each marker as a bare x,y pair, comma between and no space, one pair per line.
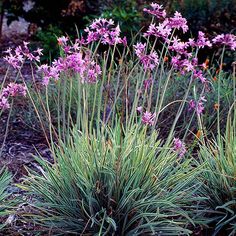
141,136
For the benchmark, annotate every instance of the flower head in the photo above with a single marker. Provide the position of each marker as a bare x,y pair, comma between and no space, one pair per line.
179,147
197,106
178,46
226,39
17,57
156,10
4,104
149,61
139,109
178,22
104,30
62,41
202,41
12,90
162,30
148,118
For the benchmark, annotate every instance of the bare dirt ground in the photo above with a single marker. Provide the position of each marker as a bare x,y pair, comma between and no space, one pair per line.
19,142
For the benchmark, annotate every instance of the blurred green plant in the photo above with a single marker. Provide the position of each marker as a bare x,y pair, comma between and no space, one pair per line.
48,38
126,13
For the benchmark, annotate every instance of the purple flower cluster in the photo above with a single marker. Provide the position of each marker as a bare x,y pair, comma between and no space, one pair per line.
178,22
104,30
197,106
156,10
75,62
149,61
12,90
202,41
179,147
183,59
17,57
164,29
226,39
147,117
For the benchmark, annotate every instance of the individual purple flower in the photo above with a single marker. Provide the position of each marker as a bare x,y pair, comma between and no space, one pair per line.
199,75
4,104
187,65
178,22
191,42
148,118
198,106
182,65
147,83
140,109
48,73
202,41
179,147
90,72
192,105
157,10
62,41
226,39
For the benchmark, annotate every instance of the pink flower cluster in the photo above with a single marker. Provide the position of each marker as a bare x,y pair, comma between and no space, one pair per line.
17,57
164,29
156,10
226,39
178,22
147,117
12,90
149,61
183,59
75,62
179,147
104,30
197,106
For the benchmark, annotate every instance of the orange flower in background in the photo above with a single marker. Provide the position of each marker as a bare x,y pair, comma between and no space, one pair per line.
166,59
216,106
205,65
220,68
215,78
199,134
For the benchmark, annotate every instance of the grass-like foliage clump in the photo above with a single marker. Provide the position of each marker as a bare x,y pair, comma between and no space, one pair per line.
219,179
116,183
5,179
